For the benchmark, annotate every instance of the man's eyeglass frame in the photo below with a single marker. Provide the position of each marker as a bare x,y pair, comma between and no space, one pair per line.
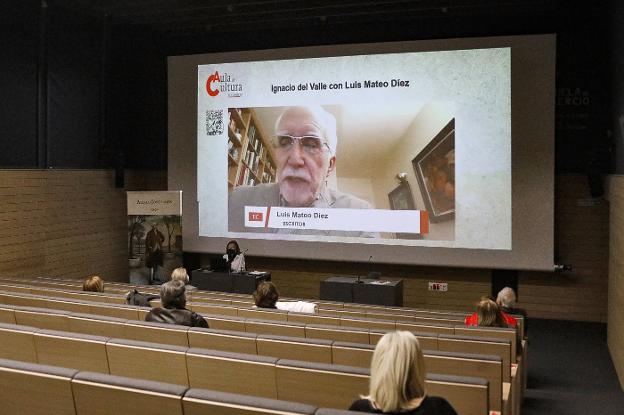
312,150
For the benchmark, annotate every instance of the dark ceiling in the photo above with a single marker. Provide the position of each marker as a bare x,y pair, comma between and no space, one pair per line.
201,17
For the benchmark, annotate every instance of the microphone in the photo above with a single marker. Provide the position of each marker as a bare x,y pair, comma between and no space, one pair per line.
358,280
372,274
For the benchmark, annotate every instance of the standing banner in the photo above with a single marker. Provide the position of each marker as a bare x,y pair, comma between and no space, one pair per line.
154,235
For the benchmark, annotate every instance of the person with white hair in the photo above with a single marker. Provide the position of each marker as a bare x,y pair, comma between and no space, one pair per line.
397,380
506,299
305,156
173,310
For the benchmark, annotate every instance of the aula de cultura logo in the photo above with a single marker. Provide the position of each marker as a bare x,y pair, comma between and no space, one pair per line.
224,82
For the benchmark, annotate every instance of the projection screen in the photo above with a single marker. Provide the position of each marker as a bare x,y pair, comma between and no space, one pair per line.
430,152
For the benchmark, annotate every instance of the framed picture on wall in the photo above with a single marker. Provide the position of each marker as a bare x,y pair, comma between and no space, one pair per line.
435,171
402,198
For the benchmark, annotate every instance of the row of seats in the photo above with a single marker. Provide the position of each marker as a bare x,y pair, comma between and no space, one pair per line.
317,384
209,305
291,324
372,337
369,331
35,389
440,358
293,329
234,299
329,332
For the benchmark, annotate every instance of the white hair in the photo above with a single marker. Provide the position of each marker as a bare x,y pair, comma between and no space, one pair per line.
506,297
397,372
179,274
326,120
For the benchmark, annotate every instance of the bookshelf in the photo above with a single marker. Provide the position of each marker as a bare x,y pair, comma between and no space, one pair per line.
249,157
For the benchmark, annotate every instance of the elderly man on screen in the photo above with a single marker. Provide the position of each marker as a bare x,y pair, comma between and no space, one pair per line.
305,156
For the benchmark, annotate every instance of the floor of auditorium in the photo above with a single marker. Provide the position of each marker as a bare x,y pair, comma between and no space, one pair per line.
570,370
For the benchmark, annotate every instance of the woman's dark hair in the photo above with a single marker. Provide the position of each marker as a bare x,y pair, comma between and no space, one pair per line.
173,294
233,242
266,295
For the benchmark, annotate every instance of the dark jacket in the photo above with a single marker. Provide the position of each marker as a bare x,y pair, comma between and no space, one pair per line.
431,405
182,317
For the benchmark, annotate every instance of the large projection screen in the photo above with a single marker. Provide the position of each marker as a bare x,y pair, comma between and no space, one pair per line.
426,153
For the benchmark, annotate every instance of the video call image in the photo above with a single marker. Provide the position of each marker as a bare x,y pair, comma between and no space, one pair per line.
329,149
313,160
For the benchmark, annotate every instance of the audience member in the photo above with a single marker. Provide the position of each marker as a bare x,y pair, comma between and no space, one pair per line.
397,380
180,274
506,299
93,283
173,310
267,296
134,297
489,314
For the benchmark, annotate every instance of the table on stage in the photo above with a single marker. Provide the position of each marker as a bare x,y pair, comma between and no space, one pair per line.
362,290
232,282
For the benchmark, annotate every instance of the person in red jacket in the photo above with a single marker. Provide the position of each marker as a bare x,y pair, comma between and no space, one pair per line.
489,314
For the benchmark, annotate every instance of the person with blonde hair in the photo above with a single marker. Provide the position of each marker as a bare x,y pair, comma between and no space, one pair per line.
180,274
397,380
489,314
93,283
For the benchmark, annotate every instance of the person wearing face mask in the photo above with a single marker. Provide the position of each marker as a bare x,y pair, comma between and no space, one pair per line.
234,257
305,156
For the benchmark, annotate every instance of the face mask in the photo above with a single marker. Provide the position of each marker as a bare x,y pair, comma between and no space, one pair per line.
231,253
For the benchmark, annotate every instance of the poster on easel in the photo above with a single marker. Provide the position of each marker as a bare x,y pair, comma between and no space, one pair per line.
154,235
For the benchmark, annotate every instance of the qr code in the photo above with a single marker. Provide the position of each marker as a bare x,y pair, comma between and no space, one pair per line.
214,122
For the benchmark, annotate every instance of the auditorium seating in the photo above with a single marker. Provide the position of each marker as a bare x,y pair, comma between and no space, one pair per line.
35,389
122,354
268,327
314,383
27,388
325,308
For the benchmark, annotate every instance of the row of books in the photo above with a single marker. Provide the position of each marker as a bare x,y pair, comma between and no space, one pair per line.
245,178
248,176
255,143
268,167
233,150
252,159
266,177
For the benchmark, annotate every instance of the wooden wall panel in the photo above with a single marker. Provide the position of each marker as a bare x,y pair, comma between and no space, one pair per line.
67,223
615,322
582,241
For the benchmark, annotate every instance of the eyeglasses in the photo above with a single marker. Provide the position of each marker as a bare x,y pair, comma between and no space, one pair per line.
310,144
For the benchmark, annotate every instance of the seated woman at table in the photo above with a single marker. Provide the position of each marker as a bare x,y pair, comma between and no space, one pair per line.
397,380
267,296
234,256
